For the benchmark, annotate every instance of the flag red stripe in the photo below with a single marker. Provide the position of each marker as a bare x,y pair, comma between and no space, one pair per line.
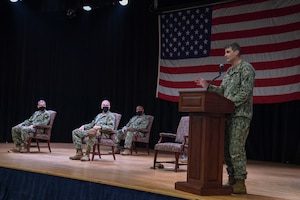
168,97
256,100
256,16
277,81
276,98
215,68
258,82
237,4
258,32
277,64
186,70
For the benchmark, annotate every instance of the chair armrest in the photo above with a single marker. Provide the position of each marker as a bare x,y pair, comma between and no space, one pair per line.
143,130
185,140
41,126
186,137
168,135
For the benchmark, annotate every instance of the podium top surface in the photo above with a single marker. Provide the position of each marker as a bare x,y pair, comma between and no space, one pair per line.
204,101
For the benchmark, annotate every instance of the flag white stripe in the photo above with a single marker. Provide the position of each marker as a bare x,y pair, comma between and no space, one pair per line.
276,90
260,40
188,77
260,57
258,91
259,74
255,24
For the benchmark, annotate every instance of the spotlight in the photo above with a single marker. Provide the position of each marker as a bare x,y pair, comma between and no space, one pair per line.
87,5
123,2
87,8
13,1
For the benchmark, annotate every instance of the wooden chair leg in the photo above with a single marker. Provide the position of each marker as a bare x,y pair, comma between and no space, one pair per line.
49,146
135,147
176,161
37,144
155,156
147,147
113,152
93,153
29,144
98,148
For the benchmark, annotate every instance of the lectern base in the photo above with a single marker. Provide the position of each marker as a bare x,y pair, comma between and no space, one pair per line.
203,190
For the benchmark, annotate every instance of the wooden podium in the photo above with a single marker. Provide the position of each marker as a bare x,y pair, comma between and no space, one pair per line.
207,111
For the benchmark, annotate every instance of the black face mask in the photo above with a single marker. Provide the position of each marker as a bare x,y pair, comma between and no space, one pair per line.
105,109
41,108
139,113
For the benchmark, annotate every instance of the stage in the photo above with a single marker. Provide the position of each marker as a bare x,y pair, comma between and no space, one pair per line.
134,174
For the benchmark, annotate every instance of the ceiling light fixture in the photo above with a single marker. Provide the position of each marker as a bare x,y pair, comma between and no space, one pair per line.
87,8
123,2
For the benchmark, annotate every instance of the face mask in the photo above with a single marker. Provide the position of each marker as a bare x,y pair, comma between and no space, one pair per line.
105,109
139,113
41,108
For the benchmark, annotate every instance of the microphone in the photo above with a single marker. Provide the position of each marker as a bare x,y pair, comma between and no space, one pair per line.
221,69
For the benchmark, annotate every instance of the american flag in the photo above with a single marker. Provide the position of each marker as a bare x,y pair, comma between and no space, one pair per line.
192,45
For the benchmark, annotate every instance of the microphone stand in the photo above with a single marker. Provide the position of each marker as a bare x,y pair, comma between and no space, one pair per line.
220,72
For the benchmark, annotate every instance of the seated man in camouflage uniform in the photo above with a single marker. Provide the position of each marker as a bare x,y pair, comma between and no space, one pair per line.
139,121
20,133
103,121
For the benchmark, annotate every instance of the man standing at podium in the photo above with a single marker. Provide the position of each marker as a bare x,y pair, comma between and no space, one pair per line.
237,86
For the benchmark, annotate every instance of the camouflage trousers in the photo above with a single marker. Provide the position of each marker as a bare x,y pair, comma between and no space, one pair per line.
128,138
20,134
80,136
236,133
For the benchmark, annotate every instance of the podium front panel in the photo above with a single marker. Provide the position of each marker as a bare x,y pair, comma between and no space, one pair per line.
204,152
207,111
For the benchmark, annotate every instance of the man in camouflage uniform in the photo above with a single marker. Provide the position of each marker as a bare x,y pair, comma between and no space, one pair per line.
237,86
139,121
21,132
103,121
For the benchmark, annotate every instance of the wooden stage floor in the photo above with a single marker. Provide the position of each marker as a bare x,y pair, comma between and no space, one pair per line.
265,180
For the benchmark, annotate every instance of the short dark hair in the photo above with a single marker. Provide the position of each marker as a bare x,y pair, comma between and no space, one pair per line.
234,46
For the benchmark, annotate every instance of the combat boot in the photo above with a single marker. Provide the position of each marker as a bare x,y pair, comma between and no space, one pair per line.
126,152
239,187
86,156
78,155
16,149
24,148
231,180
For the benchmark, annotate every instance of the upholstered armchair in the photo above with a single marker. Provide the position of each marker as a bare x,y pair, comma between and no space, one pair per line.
46,136
177,143
145,140
107,141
